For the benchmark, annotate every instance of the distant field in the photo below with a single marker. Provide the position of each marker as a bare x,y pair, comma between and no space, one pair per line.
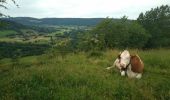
82,76
7,33
33,36
39,39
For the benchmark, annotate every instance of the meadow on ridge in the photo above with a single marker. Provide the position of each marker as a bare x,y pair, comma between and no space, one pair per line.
82,76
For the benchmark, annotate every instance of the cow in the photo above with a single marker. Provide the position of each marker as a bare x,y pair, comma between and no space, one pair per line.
128,64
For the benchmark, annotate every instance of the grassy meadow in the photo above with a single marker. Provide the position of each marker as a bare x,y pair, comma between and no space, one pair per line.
82,76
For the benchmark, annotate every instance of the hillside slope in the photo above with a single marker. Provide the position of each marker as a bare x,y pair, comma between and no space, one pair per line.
83,76
10,25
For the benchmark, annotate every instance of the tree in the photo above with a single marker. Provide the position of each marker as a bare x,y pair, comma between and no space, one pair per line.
100,32
124,18
157,23
3,5
138,36
120,34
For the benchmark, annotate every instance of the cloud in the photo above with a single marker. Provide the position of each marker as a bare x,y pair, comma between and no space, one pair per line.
83,8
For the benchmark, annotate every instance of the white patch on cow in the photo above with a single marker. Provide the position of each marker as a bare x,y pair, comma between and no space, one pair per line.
132,74
117,64
125,58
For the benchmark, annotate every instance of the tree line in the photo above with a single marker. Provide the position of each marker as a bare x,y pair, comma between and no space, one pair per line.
150,30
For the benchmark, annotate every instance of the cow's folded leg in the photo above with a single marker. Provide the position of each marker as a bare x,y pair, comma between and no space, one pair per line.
114,64
122,73
138,76
108,68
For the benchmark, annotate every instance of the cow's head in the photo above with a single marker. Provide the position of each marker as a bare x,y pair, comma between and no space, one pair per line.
124,59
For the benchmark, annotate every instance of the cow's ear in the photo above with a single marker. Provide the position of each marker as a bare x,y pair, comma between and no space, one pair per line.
118,56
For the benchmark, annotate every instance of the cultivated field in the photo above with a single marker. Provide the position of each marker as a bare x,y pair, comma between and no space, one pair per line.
82,76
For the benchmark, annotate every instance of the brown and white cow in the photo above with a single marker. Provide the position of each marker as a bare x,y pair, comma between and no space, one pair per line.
128,64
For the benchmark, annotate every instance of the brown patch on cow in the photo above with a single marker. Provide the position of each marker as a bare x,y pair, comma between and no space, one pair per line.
137,64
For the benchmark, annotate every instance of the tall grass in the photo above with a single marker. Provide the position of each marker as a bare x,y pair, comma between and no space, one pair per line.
82,76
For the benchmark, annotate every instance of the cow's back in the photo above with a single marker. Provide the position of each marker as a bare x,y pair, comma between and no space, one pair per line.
136,64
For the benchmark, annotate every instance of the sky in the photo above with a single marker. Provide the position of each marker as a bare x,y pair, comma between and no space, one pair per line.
81,8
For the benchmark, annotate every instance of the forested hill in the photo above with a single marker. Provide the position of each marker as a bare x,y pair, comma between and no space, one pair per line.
6,24
9,24
56,21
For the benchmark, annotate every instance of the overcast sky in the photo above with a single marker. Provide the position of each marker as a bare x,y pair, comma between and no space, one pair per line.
81,8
